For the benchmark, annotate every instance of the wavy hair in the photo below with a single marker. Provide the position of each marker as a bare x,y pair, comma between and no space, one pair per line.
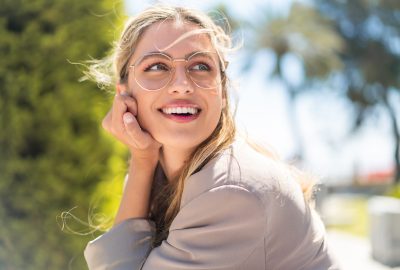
166,199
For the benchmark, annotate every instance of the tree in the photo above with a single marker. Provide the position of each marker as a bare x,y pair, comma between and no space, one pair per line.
52,151
309,37
351,42
371,59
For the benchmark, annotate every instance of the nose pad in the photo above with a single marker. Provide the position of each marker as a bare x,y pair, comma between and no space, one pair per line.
180,81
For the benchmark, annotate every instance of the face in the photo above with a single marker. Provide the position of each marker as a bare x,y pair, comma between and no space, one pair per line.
181,114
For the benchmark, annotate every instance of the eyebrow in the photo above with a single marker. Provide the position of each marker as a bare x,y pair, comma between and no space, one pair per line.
185,57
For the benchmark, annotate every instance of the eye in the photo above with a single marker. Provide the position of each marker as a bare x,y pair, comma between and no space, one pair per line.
200,67
156,67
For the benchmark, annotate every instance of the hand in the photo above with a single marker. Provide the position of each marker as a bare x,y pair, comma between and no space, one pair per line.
121,122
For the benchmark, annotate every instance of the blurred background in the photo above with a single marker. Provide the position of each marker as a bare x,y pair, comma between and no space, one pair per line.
316,80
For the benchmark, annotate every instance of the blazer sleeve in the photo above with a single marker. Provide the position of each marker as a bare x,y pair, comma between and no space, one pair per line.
218,229
123,247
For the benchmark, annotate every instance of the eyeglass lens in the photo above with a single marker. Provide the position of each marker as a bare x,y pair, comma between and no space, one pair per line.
155,71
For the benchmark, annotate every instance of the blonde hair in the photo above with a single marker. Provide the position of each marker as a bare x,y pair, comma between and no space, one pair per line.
165,200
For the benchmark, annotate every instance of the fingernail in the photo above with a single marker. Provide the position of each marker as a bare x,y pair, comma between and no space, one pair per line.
128,118
125,94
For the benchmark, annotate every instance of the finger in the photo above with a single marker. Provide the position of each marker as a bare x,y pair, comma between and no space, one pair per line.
118,109
129,100
131,104
134,130
107,120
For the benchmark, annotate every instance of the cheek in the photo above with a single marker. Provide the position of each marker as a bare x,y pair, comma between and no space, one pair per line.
215,107
144,115
216,101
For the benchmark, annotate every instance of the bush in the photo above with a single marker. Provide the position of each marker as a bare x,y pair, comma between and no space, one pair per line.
53,153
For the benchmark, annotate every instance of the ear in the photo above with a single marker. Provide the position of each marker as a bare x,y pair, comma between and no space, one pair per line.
121,88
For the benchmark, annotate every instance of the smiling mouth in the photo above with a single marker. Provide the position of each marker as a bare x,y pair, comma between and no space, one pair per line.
180,111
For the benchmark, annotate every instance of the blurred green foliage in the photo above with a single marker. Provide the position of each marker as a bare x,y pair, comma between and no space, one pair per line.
305,33
53,154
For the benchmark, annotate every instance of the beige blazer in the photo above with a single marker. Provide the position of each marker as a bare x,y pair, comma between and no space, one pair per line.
240,211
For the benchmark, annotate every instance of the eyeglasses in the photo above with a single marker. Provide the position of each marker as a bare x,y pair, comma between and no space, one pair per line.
154,71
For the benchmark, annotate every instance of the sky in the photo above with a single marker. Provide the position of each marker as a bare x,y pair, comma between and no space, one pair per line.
324,117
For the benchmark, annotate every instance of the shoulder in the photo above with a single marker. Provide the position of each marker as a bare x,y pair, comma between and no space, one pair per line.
241,185
242,166
265,180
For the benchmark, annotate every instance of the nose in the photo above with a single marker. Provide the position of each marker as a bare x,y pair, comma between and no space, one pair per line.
180,82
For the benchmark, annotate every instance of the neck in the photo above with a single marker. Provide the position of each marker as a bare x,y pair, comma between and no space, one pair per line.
172,160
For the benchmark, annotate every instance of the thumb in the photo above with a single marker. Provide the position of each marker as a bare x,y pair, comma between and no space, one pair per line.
131,123
128,118
133,128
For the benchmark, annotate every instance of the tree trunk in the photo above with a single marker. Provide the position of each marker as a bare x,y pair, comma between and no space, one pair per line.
396,135
298,154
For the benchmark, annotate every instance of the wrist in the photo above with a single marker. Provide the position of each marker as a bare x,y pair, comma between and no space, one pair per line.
143,163
151,154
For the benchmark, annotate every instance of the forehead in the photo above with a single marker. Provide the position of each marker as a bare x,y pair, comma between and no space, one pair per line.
165,37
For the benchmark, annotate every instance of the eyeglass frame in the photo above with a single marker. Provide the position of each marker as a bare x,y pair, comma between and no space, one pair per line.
223,66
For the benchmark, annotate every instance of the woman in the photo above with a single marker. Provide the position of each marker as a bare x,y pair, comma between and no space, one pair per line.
196,197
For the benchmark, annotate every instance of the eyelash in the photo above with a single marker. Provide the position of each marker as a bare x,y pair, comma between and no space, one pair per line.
148,67
152,65
205,64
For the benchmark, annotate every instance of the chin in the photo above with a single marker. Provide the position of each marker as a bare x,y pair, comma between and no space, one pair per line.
182,142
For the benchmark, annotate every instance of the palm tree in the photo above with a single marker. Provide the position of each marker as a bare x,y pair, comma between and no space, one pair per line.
310,37
371,59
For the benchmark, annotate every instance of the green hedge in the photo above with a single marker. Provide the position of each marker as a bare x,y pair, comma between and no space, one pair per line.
53,153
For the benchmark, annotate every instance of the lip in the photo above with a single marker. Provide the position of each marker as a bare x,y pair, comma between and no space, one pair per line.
180,118
180,103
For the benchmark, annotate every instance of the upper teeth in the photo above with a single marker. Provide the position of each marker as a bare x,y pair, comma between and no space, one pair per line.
180,110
